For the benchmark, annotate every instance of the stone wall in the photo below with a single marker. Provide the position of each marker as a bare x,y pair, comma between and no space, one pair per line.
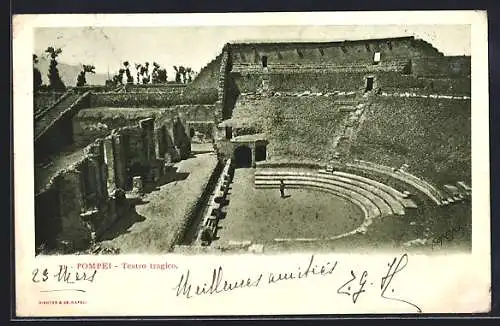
247,83
74,204
316,81
449,66
201,131
60,132
155,99
394,82
90,124
54,139
164,87
47,217
208,75
334,52
43,100
89,195
222,99
324,81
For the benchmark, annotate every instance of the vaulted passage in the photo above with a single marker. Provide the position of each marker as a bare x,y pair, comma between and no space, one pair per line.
243,156
369,84
260,153
264,61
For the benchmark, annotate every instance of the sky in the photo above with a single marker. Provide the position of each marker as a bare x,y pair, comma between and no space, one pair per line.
107,47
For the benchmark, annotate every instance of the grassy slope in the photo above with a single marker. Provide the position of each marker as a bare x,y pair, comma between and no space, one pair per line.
432,136
301,126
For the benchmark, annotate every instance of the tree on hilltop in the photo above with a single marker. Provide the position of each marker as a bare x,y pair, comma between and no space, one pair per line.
162,76
130,79
117,79
158,75
81,80
189,73
177,75
138,70
55,80
183,74
145,73
154,73
119,76
37,76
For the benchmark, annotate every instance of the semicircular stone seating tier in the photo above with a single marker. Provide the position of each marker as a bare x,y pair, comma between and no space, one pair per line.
374,198
421,185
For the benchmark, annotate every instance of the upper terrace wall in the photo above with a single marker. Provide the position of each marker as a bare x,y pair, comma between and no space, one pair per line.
155,99
452,66
335,52
327,81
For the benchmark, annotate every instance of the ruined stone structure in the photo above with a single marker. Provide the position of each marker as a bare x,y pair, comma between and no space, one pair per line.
258,78
86,175
387,101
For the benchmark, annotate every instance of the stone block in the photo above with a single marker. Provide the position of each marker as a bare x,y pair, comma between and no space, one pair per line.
120,161
109,160
137,185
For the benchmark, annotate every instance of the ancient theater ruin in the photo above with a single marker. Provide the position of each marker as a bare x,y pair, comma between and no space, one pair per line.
371,139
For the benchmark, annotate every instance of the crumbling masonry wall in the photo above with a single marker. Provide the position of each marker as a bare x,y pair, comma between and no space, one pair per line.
90,194
72,208
335,52
93,123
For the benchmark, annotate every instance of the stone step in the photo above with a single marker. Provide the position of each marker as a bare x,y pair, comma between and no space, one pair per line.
365,189
367,206
384,207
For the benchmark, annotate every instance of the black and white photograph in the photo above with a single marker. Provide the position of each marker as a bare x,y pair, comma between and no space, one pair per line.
252,138
192,161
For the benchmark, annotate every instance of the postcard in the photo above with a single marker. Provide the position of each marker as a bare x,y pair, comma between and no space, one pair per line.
251,164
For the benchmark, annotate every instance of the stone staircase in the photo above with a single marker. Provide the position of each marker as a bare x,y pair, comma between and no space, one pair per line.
47,118
349,128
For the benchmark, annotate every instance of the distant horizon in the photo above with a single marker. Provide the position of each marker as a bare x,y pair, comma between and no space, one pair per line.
196,46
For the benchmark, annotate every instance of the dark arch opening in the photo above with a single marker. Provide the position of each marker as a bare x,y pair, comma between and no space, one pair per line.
369,84
191,132
260,153
264,61
181,140
243,157
48,223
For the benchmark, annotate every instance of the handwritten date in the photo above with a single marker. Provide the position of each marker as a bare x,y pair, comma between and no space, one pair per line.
64,275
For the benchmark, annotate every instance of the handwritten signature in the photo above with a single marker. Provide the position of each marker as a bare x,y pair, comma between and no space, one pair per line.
356,284
63,276
449,236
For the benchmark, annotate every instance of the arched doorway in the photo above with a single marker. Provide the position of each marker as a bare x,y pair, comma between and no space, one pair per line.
243,156
264,61
369,84
260,152
181,140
